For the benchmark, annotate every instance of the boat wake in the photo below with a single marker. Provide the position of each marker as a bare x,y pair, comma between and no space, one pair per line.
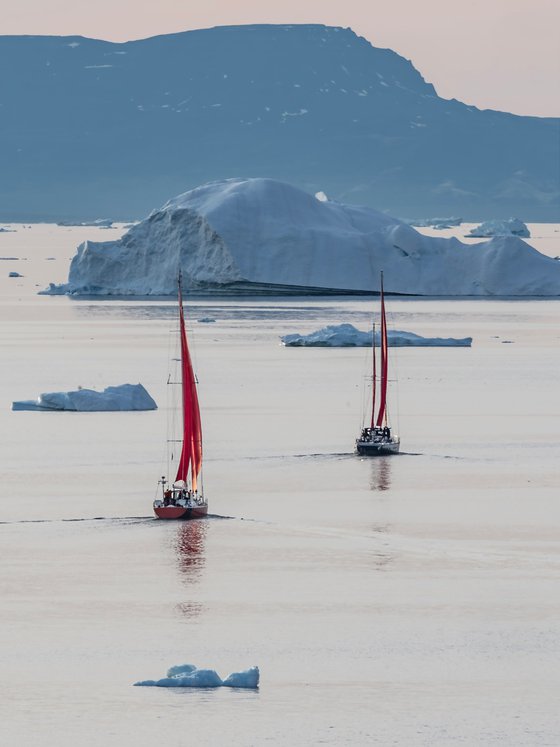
109,519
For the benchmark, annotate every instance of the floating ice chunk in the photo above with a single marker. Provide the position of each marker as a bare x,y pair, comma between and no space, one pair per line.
197,678
206,320
435,222
346,335
187,675
14,275
56,290
244,235
125,397
248,679
510,227
180,669
321,196
98,223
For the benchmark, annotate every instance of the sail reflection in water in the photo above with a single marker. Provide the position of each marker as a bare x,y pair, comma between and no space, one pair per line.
189,545
380,475
189,548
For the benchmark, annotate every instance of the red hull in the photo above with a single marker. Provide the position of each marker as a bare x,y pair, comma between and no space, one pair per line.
180,512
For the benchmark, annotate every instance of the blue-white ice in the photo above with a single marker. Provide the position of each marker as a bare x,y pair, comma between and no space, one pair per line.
114,398
346,336
187,675
435,222
510,227
99,223
241,235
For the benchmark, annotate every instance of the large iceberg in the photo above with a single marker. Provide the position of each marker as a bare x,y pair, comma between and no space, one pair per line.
187,675
260,235
347,336
510,227
113,398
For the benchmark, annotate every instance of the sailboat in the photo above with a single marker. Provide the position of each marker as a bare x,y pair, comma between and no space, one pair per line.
183,498
378,439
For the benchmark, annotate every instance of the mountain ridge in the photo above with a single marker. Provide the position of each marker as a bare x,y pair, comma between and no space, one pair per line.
91,127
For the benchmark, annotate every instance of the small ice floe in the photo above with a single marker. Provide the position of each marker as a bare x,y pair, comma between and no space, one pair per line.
55,290
347,336
187,675
435,222
7,230
97,223
511,227
14,275
206,320
121,398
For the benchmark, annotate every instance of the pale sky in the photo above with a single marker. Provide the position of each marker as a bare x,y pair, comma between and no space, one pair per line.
497,54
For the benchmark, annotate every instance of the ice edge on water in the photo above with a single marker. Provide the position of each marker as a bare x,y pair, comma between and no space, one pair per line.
188,675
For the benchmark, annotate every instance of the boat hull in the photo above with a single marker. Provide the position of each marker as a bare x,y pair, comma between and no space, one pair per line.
377,448
181,512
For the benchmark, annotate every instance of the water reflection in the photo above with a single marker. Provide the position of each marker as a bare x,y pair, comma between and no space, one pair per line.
148,308
189,549
189,545
380,475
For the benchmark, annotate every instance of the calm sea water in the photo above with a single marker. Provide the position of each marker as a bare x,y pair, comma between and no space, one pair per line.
409,600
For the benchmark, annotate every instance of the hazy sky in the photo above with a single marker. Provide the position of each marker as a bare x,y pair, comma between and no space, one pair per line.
499,54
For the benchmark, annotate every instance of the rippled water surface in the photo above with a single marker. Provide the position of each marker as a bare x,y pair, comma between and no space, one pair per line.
407,600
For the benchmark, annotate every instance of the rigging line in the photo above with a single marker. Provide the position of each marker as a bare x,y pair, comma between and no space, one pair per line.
366,380
395,355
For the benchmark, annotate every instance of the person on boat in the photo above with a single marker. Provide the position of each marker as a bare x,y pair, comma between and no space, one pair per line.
167,498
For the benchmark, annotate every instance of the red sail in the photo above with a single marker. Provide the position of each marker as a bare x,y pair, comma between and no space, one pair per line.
382,414
191,454
373,383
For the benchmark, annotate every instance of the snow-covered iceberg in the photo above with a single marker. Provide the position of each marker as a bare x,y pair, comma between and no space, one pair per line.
260,235
510,227
114,398
187,675
348,336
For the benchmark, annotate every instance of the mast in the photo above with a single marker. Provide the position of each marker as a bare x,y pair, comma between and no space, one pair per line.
382,414
373,380
191,453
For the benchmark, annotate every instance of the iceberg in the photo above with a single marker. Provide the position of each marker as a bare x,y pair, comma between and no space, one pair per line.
435,222
114,398
510,227
347,336
263,236
187,675
14,274
98,223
